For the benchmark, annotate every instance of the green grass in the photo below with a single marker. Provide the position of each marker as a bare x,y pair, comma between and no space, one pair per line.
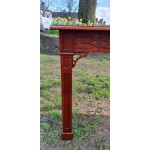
46,106
101,61
101,145
49,83
82,130
90,86
46,58
51,133
96,86
45,93
56,32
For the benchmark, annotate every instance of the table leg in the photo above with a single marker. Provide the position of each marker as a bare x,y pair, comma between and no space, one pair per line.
66,87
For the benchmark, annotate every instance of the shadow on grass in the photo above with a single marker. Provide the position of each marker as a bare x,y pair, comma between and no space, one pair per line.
90,131
84,131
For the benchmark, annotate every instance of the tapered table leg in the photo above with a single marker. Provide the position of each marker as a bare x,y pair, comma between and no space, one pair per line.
66,87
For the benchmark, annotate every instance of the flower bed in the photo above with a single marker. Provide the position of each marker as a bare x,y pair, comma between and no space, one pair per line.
73,22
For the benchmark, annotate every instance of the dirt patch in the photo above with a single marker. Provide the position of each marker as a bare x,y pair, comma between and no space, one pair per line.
100,108
97,107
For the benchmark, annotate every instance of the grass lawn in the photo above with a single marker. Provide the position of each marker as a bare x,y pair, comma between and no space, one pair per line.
91,87
56,32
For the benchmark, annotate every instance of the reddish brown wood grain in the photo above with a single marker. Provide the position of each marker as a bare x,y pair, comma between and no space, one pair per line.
72,40
89,28
91,41
66,85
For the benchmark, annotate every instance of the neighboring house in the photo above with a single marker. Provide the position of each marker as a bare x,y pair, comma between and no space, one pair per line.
100,21
45,17
44,11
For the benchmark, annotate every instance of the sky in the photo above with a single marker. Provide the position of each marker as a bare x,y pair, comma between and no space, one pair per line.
102,10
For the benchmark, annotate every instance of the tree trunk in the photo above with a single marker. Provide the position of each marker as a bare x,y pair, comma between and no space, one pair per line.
87,10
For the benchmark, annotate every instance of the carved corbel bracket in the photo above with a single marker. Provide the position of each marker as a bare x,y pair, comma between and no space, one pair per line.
80,56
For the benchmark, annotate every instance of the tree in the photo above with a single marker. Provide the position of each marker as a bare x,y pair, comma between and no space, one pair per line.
44,6
71,5
87,10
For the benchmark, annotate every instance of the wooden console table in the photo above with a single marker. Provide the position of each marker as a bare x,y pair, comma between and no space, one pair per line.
76,40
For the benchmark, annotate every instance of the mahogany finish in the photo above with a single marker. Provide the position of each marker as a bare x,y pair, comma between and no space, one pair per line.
76,40
93,28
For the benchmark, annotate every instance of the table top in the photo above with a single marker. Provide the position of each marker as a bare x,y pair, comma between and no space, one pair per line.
93,28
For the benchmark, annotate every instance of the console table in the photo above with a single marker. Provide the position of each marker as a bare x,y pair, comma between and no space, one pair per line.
76,40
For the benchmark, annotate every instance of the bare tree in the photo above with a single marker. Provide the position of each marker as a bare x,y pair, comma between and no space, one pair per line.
45,5
71,5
